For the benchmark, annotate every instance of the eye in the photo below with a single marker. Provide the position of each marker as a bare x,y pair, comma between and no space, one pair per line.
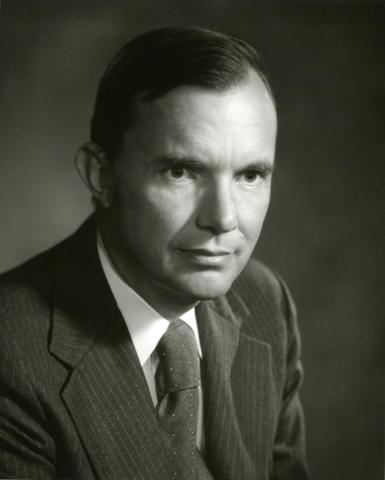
177,171
252,176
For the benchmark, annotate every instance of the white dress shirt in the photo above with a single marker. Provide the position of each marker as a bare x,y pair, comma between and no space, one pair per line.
146,327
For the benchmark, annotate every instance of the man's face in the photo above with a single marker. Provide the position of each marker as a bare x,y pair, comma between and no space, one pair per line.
193,188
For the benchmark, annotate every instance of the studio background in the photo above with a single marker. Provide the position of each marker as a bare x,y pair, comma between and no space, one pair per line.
324,232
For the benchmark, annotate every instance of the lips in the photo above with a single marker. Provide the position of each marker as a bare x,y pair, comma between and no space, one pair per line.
207,258
209,253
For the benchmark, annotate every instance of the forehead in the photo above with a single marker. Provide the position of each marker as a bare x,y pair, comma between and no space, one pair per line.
242,117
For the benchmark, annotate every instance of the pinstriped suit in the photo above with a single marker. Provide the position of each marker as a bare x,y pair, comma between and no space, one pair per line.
73,399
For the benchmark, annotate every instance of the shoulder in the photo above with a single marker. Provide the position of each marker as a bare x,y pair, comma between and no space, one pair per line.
257,278
26,291
28,304
25,298
27,284
272,316
258,286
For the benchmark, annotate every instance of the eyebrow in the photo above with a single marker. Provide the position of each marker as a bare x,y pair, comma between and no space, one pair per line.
171,160
263,166
168,161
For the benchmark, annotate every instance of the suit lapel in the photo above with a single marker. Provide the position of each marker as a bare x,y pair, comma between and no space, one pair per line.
236,376
106,394
109,402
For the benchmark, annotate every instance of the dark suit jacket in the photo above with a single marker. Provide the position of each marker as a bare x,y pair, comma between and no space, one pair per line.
73,399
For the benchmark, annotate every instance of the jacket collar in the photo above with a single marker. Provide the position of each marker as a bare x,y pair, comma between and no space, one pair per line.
83,305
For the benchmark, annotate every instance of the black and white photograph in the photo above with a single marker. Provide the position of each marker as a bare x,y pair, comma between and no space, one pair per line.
192,240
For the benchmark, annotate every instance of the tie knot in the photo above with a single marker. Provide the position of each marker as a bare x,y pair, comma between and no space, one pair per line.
178,359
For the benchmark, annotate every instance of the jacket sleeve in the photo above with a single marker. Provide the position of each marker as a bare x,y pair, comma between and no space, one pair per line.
26,448
289,454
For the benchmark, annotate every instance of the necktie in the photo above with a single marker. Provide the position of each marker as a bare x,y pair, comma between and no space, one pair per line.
177,381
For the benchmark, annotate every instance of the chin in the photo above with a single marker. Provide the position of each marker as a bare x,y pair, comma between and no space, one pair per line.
206,288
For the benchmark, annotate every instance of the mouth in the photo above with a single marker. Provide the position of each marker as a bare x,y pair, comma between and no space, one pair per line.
208,258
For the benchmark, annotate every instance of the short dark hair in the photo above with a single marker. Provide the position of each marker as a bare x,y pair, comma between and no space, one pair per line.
157,61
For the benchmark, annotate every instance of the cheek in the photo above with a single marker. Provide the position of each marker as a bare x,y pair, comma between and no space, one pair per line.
153,217
252,215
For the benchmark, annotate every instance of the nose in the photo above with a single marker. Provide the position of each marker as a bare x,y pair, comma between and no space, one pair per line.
218,210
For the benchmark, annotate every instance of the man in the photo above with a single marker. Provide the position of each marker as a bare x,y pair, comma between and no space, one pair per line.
148,345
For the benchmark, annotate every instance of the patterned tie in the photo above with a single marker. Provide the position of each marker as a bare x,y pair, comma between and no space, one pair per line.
177,381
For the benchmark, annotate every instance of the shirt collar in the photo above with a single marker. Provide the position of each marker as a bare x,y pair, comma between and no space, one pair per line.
146,325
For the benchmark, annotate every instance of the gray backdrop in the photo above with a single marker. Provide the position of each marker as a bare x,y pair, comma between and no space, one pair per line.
325,231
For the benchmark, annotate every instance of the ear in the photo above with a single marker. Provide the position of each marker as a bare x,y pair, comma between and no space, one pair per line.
96,172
